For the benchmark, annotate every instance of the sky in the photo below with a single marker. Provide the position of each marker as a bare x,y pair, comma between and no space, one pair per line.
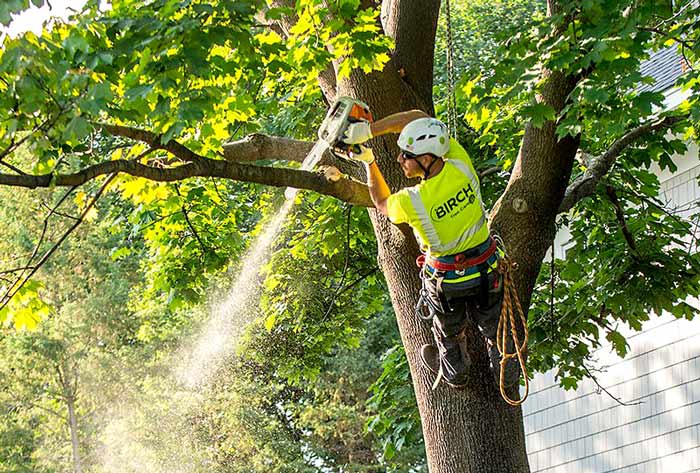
33,18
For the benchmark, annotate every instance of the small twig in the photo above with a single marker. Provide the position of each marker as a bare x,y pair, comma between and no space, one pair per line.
14,270
12,168
489,171
685,58
56,212
650,201
664,33
358,280
694,238
189,223
601,388
158,220
45,409
16,144
12,290
345,267
619,213
216,189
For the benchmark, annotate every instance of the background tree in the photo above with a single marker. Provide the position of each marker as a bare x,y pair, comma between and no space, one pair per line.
182,77
54,376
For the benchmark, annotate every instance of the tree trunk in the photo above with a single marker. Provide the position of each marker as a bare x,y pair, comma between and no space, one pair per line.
73,427
472,430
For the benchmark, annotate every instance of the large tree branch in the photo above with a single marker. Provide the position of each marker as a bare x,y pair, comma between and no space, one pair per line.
152,139
256,147
585,185
344,189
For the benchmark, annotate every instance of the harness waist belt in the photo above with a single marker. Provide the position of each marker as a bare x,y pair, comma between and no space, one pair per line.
460,261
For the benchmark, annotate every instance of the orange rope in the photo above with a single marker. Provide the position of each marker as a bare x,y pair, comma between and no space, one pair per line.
510,299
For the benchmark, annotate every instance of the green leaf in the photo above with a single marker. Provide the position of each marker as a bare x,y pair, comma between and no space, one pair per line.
539,113
75,43
76,131
270,322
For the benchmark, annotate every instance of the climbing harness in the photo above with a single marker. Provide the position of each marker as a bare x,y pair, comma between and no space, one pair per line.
451,96
506,323
460,262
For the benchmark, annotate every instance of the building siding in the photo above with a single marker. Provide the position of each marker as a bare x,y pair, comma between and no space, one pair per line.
658,430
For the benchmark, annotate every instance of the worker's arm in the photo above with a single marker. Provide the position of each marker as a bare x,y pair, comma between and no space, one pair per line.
378,190
394,123
362,131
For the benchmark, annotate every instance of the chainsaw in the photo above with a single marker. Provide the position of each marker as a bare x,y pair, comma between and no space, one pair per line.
343,113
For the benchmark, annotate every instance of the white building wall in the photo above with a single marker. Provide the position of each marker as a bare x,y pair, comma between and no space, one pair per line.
586,431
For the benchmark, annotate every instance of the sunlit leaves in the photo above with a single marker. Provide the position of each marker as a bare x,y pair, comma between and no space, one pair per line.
10,7
26,309
604,51
321,286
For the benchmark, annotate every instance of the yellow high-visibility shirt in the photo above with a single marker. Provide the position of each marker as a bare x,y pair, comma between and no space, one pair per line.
446,211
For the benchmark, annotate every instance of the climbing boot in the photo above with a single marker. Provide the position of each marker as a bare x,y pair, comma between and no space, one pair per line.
512,373
430,356
453,360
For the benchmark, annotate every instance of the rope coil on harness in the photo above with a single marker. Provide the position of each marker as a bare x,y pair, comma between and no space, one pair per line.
506,323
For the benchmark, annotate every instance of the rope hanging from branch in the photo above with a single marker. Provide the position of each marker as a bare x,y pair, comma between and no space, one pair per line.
451,97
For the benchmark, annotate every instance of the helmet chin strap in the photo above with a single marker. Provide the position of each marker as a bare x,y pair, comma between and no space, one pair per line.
426,171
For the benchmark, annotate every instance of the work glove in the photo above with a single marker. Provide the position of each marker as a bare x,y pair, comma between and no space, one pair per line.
356,133
365,155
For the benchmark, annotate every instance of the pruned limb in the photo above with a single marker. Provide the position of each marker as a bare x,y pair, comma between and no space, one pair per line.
260,147
345,189
489,171
257,146
585,185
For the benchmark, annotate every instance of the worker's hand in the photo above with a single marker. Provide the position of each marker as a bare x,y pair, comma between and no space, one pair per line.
357,133
365,155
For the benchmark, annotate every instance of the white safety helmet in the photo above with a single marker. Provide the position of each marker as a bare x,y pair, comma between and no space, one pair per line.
425,136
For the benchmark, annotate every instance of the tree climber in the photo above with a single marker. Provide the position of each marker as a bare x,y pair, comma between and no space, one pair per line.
445,211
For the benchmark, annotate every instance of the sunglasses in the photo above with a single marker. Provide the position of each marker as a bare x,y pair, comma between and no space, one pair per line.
407,155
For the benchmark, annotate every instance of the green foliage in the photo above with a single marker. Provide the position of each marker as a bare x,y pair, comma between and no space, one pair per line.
604,51
10,7
603,283
607,281
26,308
192,231
325,265
296,396
77,348
191,70
396,420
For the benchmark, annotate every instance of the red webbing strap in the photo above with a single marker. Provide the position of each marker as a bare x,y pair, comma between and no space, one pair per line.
464,264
